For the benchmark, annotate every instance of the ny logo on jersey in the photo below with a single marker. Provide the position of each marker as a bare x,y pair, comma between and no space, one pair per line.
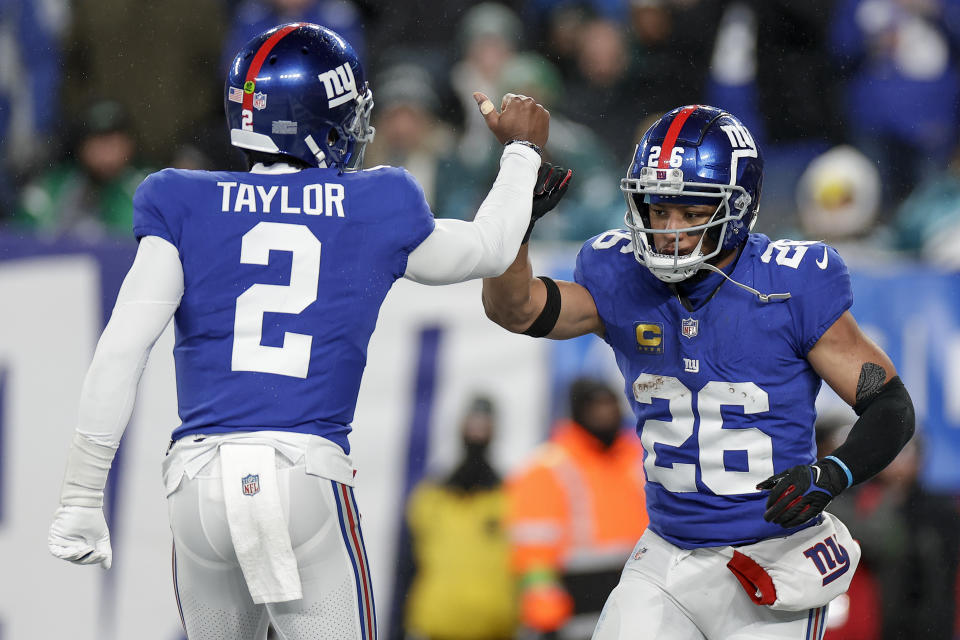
340,85
691,365
250,484
830,558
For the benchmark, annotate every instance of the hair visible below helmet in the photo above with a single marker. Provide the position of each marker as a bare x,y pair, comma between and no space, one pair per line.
693,155
299,90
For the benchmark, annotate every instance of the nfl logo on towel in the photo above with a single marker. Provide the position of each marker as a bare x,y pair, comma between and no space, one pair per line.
251,484
688,327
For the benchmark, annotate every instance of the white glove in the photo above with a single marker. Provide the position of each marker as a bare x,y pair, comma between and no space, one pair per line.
80,535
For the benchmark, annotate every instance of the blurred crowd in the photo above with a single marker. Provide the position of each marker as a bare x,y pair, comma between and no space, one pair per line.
854,102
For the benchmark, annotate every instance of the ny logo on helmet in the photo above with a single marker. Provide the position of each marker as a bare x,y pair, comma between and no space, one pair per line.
739,137
340,85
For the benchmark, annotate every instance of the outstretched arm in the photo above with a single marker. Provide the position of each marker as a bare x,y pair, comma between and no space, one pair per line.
520,303
459,250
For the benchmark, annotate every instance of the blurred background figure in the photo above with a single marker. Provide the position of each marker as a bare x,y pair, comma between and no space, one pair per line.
30,73
576,509
461,587
838,196
160,61
488,36
838,202
410,135
595,205
600,91
899,58
927,223
91,193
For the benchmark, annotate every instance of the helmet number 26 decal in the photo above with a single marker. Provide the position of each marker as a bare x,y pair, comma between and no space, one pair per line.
247,119
676,156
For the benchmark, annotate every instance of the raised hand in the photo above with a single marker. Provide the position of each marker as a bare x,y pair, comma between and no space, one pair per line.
519,118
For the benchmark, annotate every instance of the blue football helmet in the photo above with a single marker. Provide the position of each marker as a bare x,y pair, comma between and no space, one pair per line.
299,90
693,155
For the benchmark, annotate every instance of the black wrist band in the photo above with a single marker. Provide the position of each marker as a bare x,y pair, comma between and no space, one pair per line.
547,319
525,143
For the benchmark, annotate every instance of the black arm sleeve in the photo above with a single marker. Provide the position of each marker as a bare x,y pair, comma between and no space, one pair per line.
886,424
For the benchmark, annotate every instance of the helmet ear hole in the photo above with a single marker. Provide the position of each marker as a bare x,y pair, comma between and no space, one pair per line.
332,137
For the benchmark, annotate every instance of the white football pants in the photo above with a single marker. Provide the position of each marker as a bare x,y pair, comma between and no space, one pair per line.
324,527
690,594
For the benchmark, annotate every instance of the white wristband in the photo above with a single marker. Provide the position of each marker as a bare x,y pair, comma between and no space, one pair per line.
87,467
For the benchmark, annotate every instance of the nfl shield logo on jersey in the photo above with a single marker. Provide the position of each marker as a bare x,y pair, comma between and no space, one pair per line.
689,327
251,484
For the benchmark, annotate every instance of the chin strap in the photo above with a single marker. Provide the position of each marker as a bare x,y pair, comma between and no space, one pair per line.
764,297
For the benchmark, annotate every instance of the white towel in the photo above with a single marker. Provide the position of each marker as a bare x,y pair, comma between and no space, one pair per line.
258,527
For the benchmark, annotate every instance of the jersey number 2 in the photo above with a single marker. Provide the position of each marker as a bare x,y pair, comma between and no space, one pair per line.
293,358
713,440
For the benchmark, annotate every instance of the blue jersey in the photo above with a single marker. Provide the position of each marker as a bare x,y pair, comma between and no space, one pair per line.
724,395
284,276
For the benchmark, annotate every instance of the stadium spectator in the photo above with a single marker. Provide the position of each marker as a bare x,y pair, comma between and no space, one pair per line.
576,509
488,37
29,89
91,194
838,202
410,135
601,94
157,59
794,85
462,588
926,223
591,207
903,85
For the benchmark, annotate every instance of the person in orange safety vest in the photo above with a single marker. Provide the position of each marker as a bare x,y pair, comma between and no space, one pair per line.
574,512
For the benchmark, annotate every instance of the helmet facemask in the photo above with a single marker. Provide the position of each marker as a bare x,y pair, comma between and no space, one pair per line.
732,204
343,145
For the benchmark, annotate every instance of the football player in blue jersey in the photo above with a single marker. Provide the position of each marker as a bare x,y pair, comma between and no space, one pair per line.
723,337
274,279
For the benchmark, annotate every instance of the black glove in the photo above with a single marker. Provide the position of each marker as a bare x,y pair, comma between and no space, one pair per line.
552,183
802,492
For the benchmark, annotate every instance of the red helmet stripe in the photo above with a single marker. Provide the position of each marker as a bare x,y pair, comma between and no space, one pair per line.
666,150
254,69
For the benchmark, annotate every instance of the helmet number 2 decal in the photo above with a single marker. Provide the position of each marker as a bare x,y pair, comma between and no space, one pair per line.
247,119
676,156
